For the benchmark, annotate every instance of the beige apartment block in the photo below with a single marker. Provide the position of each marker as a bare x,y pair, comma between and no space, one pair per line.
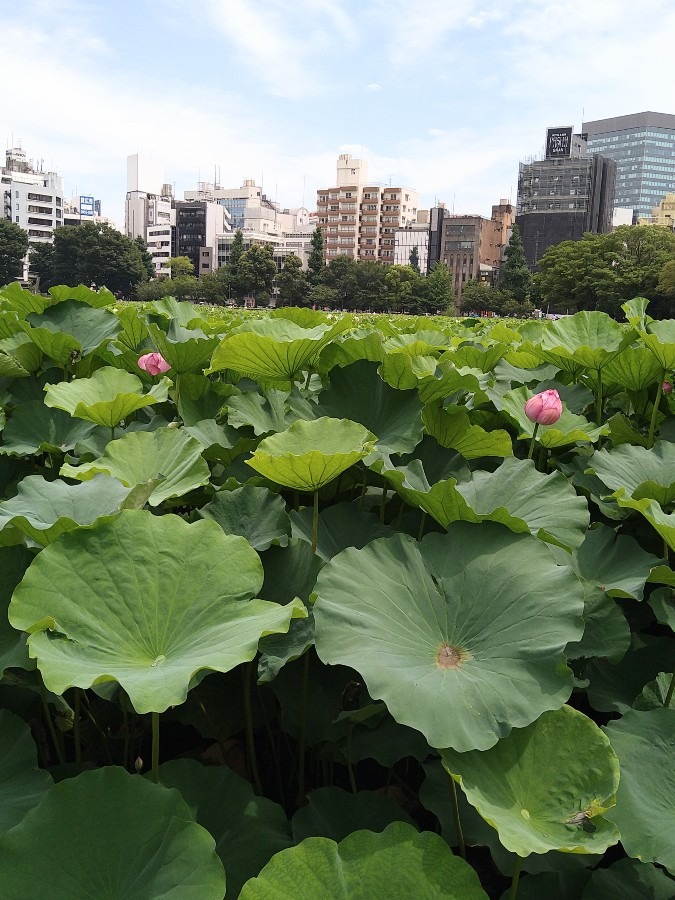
359,218
663,214
473,246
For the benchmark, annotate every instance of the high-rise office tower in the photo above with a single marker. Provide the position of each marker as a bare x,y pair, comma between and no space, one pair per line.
564,195
643,146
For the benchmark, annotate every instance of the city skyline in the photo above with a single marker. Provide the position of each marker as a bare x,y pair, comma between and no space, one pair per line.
448,102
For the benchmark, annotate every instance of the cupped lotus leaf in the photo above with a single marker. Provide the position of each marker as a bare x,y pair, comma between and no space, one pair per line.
274,350
169,455
637,472
403,371
201,399
660,340
453,429
186,350
644,741
303,316
14,297
34,428
147,601
19,356
276,650
185,314
110,816
655,694
613,562
22,784
515,495
219,442
635,369
448,380
253,512
271,410
334,813
662,601
42,510
663,523
614,687
89,326
309,455
354,345
622,431
63,348
478,357
569,429
134,328
544,787
358,393
290,571
457,633
636,312
340,526
248,830
13,653
629,879
106,398
83,294
589,340
397,864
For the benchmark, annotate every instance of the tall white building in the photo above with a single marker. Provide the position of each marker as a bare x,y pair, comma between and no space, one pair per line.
250,209
149,209
31,198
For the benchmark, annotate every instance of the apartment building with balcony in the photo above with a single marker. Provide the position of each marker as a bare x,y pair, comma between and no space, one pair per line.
360,218
149,209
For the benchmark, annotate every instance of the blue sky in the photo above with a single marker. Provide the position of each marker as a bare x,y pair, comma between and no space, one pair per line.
445,96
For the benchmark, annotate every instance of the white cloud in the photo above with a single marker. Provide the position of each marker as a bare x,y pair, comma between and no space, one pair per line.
373,86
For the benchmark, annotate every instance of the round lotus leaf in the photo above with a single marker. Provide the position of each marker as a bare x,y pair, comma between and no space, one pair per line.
22,784
544,787
253,512
644,741
186,350
147,601
90,326
588,340
248,830
310,454
457,634
110,834
106,398
638,472
397,864
33,428
629,879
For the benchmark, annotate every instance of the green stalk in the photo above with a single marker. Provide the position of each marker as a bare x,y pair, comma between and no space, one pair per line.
315,522
249,674
155,747
458,821
76,727
669,695
125,757
534,436
515,878
598,399
383,504
423,522
350,767
655,412
50,726
303,730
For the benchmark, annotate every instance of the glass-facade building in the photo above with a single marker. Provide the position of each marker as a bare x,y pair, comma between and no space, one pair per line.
643,145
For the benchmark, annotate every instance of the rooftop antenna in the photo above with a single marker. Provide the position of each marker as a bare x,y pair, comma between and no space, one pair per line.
304,179
453,203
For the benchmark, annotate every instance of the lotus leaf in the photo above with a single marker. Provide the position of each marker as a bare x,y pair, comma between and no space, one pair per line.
660,339
106,398
145,601
629,879
13,653
569,429
272,410
614,686
219,442
340,526
644,741
635,369
33,428
309,455
147,826
253,512
403,371
546,786
186,350
638,472
455,431
587,340
83,294
167,455
333,813
614,563
655,694
91,327
457,633
397,864
22,784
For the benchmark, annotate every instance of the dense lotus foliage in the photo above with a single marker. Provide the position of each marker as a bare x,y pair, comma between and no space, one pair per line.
297,605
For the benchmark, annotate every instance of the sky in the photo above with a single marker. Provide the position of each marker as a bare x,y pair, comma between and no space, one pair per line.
444,96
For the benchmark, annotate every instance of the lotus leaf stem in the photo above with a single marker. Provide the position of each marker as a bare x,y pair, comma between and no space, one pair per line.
303,729
669,695
50,725
155,747
249,675
534,437
458,821
350,767
655,412
315,522
598,398
423,522
76,727
383,504
516,877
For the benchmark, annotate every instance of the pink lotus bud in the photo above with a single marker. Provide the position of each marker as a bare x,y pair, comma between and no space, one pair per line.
153,363
667,387
544,408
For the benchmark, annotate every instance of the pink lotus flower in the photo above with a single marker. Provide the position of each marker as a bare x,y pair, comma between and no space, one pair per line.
667,387
544,408
153,363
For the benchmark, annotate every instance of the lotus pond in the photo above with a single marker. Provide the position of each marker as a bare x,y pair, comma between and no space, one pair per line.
317,612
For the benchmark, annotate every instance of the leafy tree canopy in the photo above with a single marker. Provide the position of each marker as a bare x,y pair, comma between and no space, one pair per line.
516,277
13,247
292,283
180,265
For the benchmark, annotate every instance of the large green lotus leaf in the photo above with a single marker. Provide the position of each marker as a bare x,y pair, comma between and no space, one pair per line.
186,350
614,563
183,313
606,631
200,398
629,879
248,830
354,345
19,356
569,428
167,454
614,687
34,428
100,298
22,784
91,327
453,429
637,471
106,398
134,328
276,650
13,653
274,350
340,526
272,410
42,510
636,312
635,369
655,694
135,840
358,393
448,380
334,813
418,343
515,495
309,455
253,512
662,601
403,371
63,348
457,634
589,340
662,522
386,742
644,741
397,864
660,340
14,297
544,787
147,601
290,571
219,442
478,357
